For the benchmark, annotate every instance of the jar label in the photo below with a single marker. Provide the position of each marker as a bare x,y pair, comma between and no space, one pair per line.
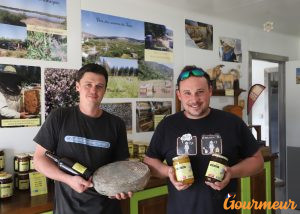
183,171
215,170
23,166
31,165
6,190
16,165
23,184
79,168
1,162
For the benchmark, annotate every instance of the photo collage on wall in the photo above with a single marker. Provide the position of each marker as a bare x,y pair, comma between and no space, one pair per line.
33,29
139,58
20,93
225,74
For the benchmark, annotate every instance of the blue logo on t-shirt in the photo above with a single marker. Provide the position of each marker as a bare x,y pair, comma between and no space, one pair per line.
88,142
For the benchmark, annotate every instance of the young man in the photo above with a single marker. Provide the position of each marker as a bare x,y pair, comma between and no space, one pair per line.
210,131
85,134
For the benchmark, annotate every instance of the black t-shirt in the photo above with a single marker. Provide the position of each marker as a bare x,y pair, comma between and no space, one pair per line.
219,132
93,142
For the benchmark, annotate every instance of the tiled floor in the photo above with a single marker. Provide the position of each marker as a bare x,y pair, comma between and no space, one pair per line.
279,196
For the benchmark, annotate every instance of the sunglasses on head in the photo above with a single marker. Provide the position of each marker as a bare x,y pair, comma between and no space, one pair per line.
186,74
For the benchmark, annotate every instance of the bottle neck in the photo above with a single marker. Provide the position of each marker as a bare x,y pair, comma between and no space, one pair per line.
52,156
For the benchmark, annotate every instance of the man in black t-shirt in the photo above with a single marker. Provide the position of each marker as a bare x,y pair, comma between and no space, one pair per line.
85,134
200,131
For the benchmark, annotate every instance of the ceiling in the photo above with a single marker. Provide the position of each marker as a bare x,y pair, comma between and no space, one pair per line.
284,13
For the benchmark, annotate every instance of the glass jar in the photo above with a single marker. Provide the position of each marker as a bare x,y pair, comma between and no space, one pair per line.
2,161
31,165
216,168
6,185
183,169
22,162
22,181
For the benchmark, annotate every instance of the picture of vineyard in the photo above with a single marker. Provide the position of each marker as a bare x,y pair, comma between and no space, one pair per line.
297,75
111,36
156,80
36,34
145,112
122,110
123,79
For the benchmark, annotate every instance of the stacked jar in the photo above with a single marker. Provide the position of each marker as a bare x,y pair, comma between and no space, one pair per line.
6,185
22,167
2,160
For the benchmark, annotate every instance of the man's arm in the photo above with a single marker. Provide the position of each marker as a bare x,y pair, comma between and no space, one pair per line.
247,167
47,167
160,170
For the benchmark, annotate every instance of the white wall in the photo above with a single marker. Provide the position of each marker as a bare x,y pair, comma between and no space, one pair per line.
292,105
15,140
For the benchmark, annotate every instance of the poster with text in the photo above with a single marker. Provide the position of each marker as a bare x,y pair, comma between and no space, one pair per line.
20,95
149,112
198,35
230,50
122,110
60,89
35,29
111,36
158,43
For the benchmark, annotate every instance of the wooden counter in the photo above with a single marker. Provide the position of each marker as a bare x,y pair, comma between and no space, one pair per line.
152,200
22,203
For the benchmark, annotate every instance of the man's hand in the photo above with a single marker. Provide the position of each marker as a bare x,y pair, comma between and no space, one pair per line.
121,196
221,185
78,184
178,185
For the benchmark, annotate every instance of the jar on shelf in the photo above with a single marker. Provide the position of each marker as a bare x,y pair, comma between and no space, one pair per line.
6,185
21,162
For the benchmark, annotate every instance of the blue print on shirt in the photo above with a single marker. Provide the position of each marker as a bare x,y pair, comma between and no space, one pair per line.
88,142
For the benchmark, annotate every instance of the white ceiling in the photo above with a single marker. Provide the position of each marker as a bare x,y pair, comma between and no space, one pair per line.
284,13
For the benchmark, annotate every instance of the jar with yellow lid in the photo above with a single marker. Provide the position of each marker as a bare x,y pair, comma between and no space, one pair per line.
6,185
216,168
183,169
22,162
2,161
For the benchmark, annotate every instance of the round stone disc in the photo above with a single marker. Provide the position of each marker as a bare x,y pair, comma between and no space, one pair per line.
121,176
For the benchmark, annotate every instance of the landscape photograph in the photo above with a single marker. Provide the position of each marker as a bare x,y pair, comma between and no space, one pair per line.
110,36
123,79
13,41
156,80
297,75
45,27
122,110
146,112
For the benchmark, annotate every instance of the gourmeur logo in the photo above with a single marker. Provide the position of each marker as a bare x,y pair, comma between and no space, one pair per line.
230,203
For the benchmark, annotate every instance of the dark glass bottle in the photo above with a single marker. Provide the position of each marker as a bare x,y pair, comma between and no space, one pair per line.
70,166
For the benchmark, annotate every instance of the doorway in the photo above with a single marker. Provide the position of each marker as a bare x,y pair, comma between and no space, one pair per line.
269,110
